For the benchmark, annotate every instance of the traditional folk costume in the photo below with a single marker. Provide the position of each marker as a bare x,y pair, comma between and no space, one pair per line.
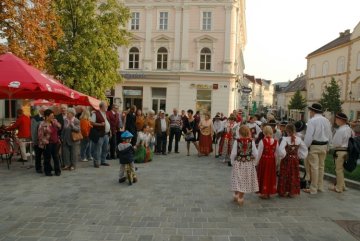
143,152
227,139
254,129
267,166
291,150
205,140
243,174
340,144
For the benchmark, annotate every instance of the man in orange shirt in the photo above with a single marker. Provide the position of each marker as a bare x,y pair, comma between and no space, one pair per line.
23,125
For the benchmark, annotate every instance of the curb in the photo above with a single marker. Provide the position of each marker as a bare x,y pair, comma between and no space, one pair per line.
332,178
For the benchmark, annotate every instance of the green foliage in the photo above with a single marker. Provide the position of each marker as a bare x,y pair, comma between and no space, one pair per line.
330,99
297,102
87,56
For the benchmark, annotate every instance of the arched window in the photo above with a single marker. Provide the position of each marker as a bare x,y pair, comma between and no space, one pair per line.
205,59
341,65
311,91
325,68
162,58
323,86
134,58
312,71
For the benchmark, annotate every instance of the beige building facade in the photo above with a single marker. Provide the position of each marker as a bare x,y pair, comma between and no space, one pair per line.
339,59
183,54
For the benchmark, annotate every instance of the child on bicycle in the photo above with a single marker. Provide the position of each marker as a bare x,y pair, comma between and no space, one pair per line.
126,156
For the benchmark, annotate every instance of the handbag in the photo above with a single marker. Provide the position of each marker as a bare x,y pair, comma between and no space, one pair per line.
76,136
189,136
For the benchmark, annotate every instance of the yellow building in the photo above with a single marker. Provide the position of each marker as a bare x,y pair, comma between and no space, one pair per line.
339,59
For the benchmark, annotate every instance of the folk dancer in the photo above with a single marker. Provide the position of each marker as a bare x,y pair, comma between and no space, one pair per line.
291,150
340,144
317,137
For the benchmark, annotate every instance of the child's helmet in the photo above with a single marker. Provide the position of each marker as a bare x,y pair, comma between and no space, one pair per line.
126,135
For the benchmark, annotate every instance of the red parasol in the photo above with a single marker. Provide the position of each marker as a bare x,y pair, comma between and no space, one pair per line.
18,80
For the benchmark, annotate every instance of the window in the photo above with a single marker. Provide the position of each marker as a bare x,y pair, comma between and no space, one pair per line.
162,58
163,20
340,84
323,86
203,101
341,65
311,91
325,68
135,21
158,99
134,58
358,61
206,21
312,71
205,59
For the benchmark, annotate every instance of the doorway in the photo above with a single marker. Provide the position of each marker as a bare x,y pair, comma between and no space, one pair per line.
129,101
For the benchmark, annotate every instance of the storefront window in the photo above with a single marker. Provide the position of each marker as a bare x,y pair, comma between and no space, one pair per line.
158,99
203,101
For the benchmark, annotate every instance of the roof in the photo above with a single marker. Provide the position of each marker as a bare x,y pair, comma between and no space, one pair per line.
342,39
297,84
251,78
258,81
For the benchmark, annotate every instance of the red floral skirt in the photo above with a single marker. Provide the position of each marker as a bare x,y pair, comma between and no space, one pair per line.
289,179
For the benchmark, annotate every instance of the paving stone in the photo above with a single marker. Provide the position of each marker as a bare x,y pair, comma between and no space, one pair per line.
193,203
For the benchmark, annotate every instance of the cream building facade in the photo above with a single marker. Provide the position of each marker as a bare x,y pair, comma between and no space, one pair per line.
339,59
183,54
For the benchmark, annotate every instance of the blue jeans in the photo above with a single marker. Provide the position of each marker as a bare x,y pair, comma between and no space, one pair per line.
85,150
99,150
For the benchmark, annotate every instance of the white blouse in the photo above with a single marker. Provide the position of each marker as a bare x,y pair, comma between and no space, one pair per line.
302,152
144,138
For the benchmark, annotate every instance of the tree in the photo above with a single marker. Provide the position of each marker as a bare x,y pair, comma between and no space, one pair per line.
29,28
297,102
330,99
87,57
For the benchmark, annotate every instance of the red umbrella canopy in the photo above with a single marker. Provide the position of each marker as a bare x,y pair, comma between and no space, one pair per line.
18,80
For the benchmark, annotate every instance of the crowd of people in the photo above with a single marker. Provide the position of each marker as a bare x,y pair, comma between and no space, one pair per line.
264,153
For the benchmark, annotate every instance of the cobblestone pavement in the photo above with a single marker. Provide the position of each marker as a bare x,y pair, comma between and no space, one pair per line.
177,198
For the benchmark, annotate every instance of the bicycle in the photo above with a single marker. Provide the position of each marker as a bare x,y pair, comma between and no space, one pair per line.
7,149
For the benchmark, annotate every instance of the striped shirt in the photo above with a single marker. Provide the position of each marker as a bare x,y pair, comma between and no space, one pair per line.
175,121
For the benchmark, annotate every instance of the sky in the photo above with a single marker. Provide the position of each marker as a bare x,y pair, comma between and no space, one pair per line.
281,33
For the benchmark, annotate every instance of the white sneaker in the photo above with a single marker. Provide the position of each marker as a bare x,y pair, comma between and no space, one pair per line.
84,160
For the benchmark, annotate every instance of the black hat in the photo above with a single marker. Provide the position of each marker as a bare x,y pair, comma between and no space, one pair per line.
341,116
316,107
300,126
283,123
271,123
217,117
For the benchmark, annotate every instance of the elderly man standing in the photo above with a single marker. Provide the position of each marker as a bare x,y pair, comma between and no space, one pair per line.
101,125
161,132
317,137
175,130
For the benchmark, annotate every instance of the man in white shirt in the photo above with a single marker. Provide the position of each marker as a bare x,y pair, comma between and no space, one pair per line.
340,144
318,136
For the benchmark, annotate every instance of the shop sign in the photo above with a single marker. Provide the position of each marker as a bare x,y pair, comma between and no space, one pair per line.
133,92
136,75
204,86
246,90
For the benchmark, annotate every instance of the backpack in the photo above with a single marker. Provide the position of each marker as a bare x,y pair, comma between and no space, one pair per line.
353,151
